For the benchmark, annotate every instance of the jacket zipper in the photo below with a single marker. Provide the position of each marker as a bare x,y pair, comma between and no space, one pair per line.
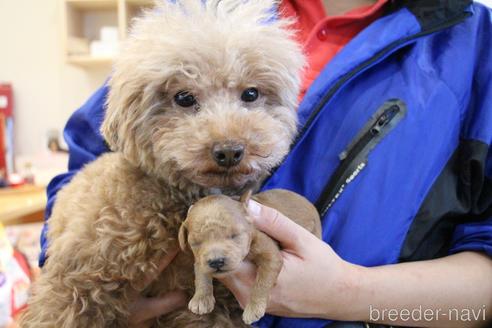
386,50
354,158
324,202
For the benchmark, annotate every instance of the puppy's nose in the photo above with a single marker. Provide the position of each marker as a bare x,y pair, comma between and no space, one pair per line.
228,154
216,263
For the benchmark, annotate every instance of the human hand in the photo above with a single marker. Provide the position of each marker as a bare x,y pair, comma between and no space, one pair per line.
314,280
144,309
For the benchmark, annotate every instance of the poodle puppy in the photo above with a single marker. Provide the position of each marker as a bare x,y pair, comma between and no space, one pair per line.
221,237
202,98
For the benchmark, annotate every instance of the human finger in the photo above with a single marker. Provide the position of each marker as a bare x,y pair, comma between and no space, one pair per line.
153,307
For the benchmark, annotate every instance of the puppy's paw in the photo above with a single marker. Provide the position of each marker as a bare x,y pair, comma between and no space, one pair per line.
202,304
254,311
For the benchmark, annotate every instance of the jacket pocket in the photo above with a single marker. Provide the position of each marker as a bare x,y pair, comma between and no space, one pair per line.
354,158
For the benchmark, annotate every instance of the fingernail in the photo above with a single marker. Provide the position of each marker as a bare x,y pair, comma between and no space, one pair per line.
254,208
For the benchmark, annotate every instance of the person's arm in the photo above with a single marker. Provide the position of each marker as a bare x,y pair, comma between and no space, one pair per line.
85,143
453,291
316,282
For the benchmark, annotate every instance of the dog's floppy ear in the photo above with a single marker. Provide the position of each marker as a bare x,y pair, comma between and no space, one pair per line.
183,235
246,196
122,102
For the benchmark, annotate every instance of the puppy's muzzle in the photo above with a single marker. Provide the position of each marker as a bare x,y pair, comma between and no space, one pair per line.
228,154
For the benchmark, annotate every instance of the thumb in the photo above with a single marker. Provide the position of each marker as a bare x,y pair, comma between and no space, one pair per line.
276,225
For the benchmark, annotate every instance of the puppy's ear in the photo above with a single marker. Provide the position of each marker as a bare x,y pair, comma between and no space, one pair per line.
189,209
183,236
246,196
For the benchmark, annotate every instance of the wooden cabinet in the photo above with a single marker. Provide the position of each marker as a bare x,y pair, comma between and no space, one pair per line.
82,21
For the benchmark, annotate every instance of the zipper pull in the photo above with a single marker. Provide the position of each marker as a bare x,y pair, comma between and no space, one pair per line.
384,119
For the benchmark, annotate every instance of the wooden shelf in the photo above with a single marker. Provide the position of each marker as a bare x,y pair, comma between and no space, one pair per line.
22,204
93,4
82,20
145,3
89,61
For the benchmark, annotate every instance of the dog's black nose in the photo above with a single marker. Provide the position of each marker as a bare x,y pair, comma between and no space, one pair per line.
217,263
228,154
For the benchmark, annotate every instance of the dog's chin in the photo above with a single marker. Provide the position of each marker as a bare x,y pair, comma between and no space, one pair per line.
233,180
221,273
224,272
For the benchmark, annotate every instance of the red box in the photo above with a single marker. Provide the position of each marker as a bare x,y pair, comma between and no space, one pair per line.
6,132
3,149
6,100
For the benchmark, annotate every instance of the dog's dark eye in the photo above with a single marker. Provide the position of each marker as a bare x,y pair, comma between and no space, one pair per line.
234,236
249,95
185,99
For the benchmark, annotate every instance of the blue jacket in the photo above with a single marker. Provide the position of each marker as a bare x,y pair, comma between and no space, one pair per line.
394,143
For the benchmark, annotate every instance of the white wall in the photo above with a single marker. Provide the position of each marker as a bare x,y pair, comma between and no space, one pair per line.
47,90
487,2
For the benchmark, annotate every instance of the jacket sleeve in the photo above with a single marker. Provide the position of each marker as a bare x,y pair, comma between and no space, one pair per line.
476,235
473,237
85,143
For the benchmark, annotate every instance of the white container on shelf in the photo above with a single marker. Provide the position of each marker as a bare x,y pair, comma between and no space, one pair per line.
109,34
104,49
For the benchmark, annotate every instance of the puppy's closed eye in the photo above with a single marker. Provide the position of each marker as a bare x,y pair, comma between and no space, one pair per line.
195,243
